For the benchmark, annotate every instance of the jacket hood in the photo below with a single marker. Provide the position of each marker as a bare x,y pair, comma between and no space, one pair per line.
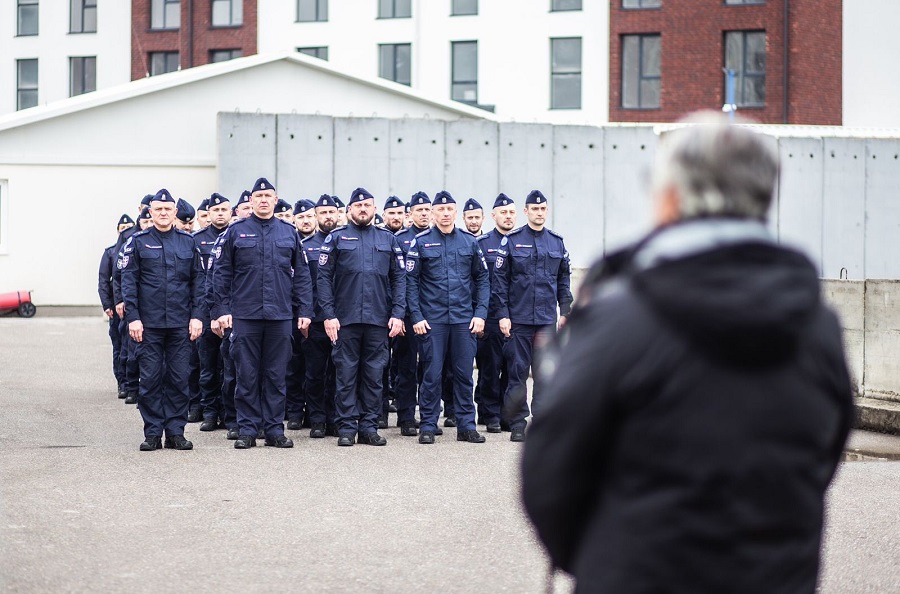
725,284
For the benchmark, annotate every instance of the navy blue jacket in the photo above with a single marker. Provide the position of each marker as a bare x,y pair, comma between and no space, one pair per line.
124,236
531,275
361,276
490,245
104,278
406,236
161,279
204,242
312,245
260,272
447,278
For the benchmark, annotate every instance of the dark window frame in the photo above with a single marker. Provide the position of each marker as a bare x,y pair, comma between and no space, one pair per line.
393,47
231,22
20,4
393,9
167,56
79,8
641,75
564,74
315,51
743,2
656,5
321,12
165,6
742,75
463,82
83,86
29,89
455,11
229,51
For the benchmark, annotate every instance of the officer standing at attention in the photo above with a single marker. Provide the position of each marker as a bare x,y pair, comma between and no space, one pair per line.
203,214
531,275
184,221
447,294
361,288
261,285
305,217
393,222
161,285
406,344
305,223
210,343
473,217
320,379
107,301
492,374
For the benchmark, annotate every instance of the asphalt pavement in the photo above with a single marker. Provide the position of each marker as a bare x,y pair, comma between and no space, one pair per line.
82,510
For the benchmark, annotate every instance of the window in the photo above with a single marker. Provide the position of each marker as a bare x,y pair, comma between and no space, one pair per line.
641,3
463,7
83,16
82,75
162,62
26,83
312,10
165,14
640,71
223,55
464,84
394,62
556,5
227,13
394,9
745,1
315,52
565,73
27,17
4,216
745,53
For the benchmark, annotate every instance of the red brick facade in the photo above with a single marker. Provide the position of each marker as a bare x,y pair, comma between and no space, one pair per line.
195,39
692,57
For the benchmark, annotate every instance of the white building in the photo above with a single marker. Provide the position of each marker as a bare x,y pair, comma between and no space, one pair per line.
55,49
91,158
501,56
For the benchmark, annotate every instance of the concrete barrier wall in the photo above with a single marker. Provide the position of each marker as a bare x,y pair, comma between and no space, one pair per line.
836,198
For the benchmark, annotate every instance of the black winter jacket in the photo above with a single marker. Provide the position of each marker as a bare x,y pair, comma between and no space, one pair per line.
696,415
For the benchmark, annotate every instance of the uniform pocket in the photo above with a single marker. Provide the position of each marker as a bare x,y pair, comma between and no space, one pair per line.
554,259
245,253
284,251
348,256
383,258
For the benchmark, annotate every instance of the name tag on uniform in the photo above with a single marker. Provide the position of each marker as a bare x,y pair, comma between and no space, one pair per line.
247,235
154,247
522,245
428,245
349,238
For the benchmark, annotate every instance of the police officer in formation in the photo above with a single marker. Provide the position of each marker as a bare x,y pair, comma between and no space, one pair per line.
447,295
301,319
161,287
531,277
262,289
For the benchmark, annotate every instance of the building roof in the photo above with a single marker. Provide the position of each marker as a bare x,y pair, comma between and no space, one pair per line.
187,76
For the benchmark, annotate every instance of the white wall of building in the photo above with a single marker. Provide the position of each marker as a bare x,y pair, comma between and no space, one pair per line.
871,47
54,45
513,49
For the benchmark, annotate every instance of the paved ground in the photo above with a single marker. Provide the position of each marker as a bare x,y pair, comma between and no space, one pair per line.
82,510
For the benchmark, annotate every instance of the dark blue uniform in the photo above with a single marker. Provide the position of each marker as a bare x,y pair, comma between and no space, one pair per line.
128,359
229,414
531,275
210,345
107,302
261,279
161,285
492,374
361,282
320,377
447,285
406,349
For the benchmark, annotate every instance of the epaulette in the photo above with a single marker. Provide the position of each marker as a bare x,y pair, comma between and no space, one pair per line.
467,232
553,233
185,233
238,222
517,230
285,222
420,234
483,236
141,232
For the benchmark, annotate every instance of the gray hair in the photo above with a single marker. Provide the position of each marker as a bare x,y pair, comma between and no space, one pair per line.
717,168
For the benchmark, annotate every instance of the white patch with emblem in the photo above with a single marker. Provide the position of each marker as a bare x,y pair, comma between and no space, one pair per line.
410,265
323,259
217,252
499,262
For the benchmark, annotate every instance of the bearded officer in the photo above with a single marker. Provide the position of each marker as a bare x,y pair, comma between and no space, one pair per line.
161,286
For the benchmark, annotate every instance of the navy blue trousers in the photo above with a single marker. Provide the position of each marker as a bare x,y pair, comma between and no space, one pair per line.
492,375
115,337
455,344
405,352
128,358
261,349
228,382
320,379
194,377
295,378
359,356
519,352
163,398
211,370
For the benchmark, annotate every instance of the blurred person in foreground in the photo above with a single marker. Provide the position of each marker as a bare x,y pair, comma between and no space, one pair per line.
702,400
